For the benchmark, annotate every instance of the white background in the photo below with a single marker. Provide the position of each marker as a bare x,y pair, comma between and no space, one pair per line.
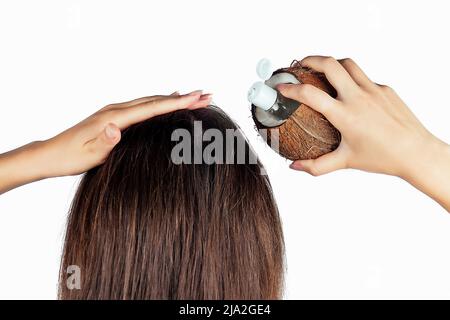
348,234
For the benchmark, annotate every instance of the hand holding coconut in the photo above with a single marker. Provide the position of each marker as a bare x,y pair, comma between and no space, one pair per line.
378,131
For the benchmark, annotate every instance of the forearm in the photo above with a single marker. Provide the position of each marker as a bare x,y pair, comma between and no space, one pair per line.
22,166
430,173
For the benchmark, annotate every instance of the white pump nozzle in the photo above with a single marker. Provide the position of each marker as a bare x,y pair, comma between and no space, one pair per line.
264,69
262,96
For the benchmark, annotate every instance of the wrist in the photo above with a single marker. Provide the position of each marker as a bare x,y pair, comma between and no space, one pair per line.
22,165
38,155
32,161
427,161
44,159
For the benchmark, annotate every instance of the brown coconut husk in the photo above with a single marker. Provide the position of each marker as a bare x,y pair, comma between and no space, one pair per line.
307,134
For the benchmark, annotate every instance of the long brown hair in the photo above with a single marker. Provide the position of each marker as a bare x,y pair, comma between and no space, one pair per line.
142,227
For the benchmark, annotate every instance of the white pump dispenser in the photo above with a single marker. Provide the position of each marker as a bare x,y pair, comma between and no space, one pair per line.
264,69
272,107
262,96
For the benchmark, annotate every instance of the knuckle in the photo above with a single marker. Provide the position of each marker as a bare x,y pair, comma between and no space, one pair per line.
329,62
314,171
304,90
96,118
362,96
105,108
305,60
347,62
106,116
386,89
109,114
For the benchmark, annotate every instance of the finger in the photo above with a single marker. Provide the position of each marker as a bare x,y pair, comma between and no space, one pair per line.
334,71
327,163
154,108
204,101
313,97
356,73
105,141
138,101
134,102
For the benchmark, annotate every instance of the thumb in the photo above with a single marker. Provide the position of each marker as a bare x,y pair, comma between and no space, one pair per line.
314,98
106,140
327,163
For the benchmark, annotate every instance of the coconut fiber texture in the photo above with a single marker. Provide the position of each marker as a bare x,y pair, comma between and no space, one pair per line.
307,134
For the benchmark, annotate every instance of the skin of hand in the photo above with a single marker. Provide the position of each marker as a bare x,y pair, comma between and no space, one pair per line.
87,144
379,132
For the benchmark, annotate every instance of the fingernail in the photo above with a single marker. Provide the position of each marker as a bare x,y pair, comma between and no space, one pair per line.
111,132
296,166
195,93
206,96
282,86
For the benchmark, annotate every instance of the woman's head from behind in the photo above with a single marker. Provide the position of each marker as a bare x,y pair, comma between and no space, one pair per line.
161,221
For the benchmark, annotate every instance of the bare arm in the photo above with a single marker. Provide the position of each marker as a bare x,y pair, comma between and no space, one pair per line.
88,143
379,132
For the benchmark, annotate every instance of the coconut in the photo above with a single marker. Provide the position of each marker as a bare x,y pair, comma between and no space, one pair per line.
306,134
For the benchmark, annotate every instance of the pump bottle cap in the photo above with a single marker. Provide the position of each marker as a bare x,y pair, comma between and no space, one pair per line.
264,69
262,96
